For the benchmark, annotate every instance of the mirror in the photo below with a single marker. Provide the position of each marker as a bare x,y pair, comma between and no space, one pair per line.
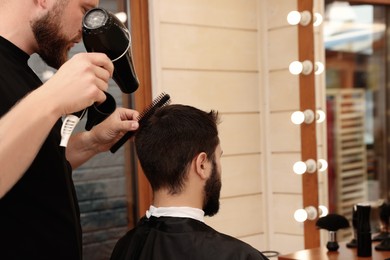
356,44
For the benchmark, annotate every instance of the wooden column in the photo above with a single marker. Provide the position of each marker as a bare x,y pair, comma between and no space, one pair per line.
140,192
143,97
308,131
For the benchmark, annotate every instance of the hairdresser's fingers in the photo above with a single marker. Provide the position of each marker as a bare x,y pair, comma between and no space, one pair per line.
125,119
128,114
100,98
125,126
102,77
128,125
101,60
102,73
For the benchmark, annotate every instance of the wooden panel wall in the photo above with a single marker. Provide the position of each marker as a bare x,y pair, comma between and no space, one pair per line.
206,55
233,56
284,187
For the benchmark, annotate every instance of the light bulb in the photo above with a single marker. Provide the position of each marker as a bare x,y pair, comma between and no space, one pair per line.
295,17
308,166
311,212
296,67
300,215
309,116
319,68
323,210
299,167
320,116
122,16
299,117
322,165
305,18
311,166
308,213
317,19
307,67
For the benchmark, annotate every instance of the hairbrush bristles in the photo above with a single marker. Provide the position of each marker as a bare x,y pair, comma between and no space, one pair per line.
160,101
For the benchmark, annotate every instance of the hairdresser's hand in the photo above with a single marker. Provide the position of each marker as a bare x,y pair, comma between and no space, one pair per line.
108,132
84,145
79,83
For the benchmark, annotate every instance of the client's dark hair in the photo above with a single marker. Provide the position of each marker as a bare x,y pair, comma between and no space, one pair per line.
170,139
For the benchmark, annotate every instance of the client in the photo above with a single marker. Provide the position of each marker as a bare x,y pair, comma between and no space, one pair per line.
179,150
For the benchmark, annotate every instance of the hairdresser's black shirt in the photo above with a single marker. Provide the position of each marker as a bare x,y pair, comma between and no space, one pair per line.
39,216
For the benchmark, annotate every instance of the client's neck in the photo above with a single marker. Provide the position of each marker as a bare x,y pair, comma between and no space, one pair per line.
162,198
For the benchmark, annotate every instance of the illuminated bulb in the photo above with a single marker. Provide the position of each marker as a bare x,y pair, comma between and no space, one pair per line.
323,210
122,16
320,116
299,167
299,117
295,17
322,165
300,215
309,213
319,68
317,19
311,166
307,67
302,167
309,116
305,18
297,67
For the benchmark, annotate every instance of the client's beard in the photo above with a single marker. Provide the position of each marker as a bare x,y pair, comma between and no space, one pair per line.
212,191
53,47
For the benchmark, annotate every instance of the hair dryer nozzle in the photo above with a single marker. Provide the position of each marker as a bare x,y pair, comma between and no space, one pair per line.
104,32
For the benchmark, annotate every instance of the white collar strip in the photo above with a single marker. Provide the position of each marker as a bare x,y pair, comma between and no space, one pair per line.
181,212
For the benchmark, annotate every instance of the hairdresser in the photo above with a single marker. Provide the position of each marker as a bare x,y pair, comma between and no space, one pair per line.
39,215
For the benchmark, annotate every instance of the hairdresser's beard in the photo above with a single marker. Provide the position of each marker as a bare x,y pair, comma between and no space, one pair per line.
212,191
53,47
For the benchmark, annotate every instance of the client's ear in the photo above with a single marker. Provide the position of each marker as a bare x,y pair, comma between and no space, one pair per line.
201,165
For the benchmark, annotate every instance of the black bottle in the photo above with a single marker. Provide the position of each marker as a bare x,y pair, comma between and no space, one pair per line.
364,248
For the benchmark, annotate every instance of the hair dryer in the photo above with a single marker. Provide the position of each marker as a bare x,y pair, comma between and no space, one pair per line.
104,32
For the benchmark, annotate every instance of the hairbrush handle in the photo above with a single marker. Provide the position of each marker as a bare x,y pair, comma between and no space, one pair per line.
121,141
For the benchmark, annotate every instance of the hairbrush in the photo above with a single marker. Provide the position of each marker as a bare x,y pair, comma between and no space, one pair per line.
160,101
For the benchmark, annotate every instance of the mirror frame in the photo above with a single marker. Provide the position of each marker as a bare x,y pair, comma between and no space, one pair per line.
308,131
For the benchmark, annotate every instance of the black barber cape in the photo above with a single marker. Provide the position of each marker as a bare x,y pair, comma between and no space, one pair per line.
39,216
171,238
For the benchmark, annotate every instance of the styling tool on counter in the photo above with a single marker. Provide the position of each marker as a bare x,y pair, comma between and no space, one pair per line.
332,223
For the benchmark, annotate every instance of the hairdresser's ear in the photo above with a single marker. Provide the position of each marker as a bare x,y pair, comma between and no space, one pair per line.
201,165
